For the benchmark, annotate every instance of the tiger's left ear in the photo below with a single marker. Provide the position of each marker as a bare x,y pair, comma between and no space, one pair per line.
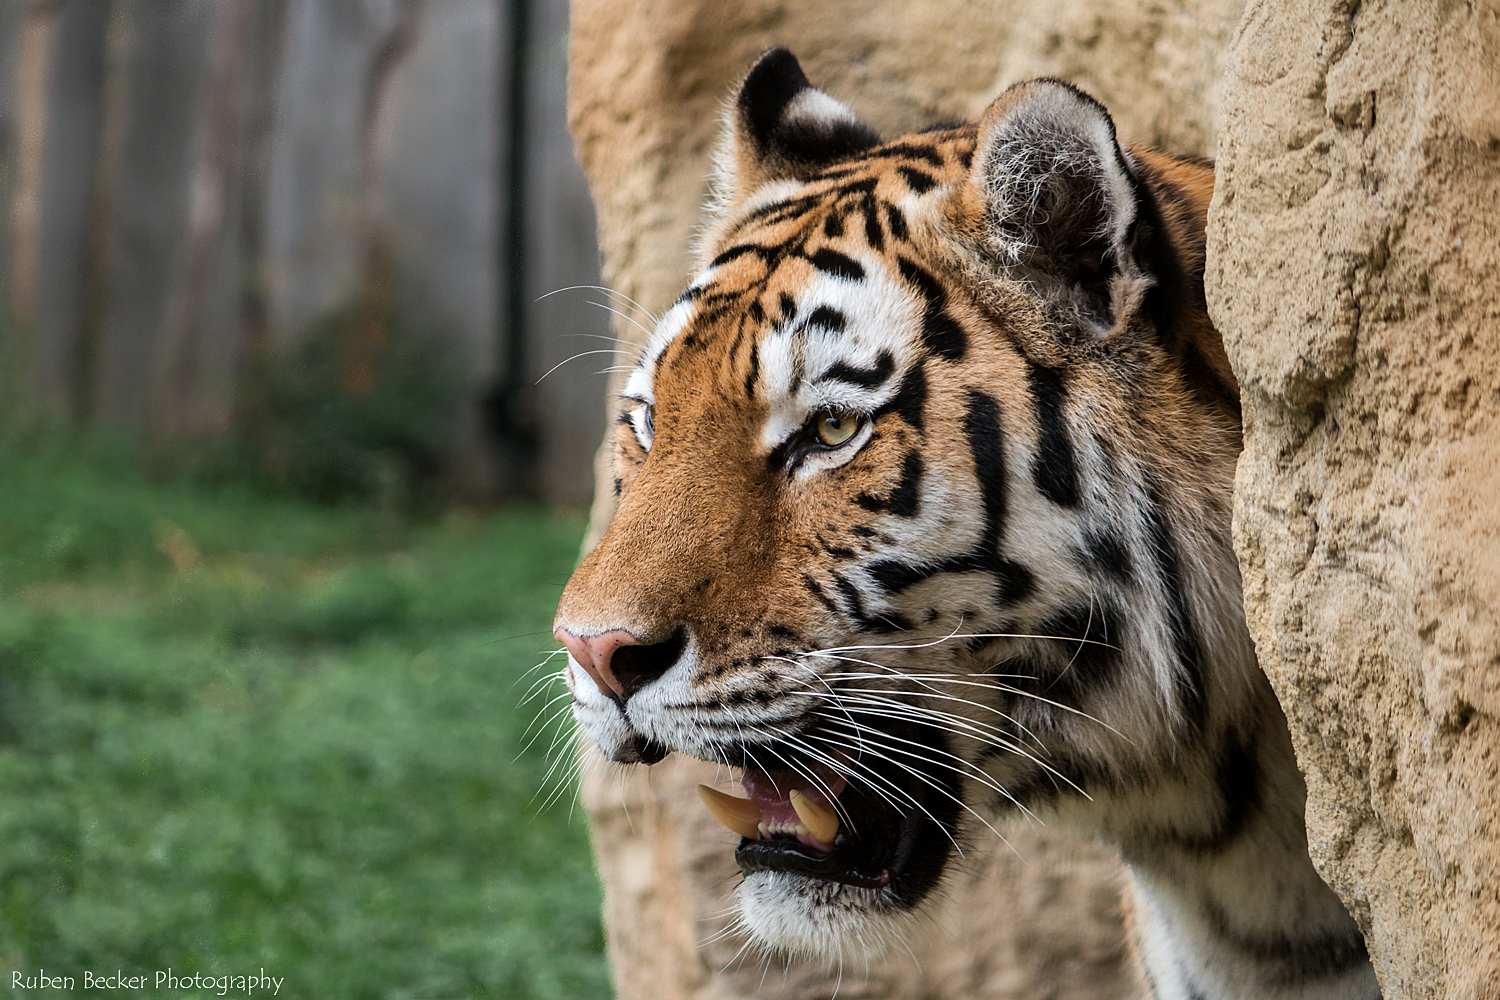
783,128
1059,200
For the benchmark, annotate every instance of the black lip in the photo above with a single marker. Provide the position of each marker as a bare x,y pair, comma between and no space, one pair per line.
638,749
903,850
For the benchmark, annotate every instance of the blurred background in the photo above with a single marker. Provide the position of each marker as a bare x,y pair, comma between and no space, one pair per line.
285,500
323,227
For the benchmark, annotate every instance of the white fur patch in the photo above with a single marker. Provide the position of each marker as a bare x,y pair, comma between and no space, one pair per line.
769,194
812,105
882,319
639,386
804,916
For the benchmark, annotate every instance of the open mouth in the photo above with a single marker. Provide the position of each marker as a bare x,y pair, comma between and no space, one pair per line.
816,822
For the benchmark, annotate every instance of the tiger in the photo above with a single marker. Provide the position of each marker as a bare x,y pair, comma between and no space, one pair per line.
924,522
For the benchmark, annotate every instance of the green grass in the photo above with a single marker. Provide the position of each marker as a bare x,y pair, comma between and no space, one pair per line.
239,732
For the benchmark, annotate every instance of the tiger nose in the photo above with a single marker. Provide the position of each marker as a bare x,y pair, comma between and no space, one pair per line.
596,654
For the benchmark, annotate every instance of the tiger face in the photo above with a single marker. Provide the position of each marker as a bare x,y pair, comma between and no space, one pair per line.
923,505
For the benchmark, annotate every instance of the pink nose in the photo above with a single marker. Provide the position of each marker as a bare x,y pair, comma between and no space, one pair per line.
594,653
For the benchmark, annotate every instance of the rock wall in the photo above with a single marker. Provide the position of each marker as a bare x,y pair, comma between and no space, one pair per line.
1353,261
648,82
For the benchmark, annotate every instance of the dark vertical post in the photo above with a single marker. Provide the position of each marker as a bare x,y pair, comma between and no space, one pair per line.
68,208
509,417
250,403
566,329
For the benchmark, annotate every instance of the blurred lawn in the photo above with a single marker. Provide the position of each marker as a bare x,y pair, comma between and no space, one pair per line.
239,732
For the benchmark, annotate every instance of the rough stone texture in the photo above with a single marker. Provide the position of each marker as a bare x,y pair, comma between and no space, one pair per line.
1354,248
649,80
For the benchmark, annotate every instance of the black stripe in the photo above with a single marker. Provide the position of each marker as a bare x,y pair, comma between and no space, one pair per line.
736,252
865,378
856,609
926,284
905,500
1106,552
817,592
925,153
1237,780
919,181
1287,962
873,233
982,428
833,225
910,399
895,221
1053,467
1014,582
782,210
754,370
837,264
942,335
1191,690
828,318
685,348
1087,664
788,309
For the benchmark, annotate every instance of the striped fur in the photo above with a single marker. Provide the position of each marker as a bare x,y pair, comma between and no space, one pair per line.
1012,589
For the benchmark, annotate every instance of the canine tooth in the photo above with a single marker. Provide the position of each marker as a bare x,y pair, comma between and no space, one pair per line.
740,815
821,821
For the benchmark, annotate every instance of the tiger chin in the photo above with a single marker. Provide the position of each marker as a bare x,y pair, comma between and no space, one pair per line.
924,521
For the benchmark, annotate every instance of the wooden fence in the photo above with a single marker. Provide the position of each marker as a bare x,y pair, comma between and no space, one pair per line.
192,188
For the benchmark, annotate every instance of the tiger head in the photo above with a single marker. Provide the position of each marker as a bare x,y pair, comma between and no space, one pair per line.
923,501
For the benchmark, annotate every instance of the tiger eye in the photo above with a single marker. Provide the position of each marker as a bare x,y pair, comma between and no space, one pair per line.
836,428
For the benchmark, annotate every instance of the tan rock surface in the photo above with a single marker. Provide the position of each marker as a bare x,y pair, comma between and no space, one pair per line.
1354,269
649,80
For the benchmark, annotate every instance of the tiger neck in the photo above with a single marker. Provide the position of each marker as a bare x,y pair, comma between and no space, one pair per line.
1244,914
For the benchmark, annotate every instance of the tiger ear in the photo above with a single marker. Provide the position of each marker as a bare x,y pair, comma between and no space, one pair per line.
1060,201
781,127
